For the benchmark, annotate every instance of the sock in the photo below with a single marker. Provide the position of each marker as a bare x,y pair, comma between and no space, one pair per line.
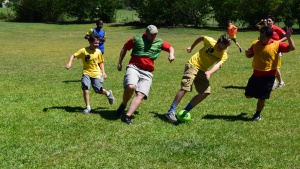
88,107
107,93
173,107
188,107
122,107
257,113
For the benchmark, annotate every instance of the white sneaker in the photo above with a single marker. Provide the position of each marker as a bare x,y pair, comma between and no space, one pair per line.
172,117
280,85
86,111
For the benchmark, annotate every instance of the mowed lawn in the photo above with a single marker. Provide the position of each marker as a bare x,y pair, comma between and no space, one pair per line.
42,125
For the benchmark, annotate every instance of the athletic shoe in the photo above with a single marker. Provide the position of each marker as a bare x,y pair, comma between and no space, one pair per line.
171,116
241,50
256,118
120,110
280,85
110,97
127,119
86,111
274,85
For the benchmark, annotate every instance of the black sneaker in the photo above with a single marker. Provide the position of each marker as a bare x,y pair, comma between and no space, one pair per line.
241,50
120,110
126,119
256,118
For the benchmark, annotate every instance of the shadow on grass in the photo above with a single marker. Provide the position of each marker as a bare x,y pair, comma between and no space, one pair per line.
106,114
239,117
162,117
234,87
71,81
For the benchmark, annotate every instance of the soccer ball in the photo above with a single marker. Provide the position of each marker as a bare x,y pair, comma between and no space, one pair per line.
184,116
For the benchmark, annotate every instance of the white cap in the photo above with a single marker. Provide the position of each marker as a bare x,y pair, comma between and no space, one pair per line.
151,29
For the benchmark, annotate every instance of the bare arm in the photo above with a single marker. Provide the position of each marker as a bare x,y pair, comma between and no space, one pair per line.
122,55
69,64
213,70
198,40
290,40
101,65
171,54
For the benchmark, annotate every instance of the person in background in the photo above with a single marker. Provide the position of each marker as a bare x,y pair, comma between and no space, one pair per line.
232,31
100,32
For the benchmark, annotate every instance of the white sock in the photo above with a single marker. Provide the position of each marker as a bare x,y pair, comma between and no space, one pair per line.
88,107
107,93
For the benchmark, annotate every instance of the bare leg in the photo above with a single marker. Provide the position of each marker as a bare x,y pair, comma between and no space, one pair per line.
135,103
179,96
127,94
260,104
198,98
86,96
278,76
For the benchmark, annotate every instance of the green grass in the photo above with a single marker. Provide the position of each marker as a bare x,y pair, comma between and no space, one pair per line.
42,125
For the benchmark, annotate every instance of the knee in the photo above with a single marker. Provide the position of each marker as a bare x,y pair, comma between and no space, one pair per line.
131,87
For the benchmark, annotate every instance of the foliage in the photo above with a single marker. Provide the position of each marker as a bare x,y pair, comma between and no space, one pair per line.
224,11
53,10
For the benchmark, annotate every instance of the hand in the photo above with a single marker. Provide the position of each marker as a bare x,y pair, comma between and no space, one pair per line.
289,32
189,49
207,75
248,52
104,75
68,66
119,67
171,58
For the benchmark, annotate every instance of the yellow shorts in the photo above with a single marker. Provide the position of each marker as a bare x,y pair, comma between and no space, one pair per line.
193,75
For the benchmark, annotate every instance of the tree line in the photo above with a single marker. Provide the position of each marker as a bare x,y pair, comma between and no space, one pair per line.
160,12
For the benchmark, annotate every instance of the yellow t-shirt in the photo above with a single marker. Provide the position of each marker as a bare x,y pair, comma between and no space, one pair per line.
208,55
90,59
266,57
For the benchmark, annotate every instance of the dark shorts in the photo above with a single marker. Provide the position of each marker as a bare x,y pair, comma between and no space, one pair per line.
260,87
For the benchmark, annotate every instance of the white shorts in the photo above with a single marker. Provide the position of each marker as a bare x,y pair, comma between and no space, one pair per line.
140,78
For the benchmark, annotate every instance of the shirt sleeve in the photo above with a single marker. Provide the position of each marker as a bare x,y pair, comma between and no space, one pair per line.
129,44
165,46
283,47
90,32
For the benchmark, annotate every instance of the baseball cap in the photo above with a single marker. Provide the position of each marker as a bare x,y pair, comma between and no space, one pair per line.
151,29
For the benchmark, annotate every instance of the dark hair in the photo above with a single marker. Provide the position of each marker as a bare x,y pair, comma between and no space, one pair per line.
266,30
93,37
271,17
98,21
224,39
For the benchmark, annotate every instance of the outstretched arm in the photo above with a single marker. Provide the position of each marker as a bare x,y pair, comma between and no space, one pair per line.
171,54
198,40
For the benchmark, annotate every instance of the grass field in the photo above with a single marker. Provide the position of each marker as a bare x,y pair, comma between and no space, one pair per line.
41,124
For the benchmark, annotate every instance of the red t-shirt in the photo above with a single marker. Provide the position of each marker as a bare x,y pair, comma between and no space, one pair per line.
144,63
278,33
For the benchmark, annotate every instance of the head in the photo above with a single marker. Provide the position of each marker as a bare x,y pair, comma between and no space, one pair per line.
265,35
94,41
99,24
270,20
229,23
223,42
151,32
